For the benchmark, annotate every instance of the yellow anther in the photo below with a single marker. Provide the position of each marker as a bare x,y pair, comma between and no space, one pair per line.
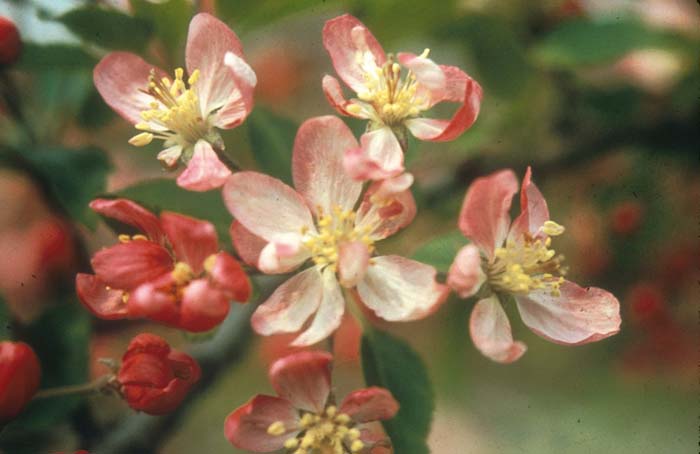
353,434
182,273
139,237
194,77
125,297
331,410
124,238
276,429
209,263
551,228
425,53
179,72
354,109
141,140
291,443
342,418
356,446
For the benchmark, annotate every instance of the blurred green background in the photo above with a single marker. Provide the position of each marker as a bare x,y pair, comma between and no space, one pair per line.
600,97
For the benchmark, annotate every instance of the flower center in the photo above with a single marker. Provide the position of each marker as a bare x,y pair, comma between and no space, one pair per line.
175,114
334,229
391,97
328,433
523,266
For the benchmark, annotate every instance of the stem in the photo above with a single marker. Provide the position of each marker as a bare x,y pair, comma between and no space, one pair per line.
218,148
85,388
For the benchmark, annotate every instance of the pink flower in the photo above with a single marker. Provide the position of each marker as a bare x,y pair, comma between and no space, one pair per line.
515,259
392,104
184,113
173,272
278,229
303,419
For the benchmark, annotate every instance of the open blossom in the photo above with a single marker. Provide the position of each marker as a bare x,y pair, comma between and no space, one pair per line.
278,229
20,373
516,259
184,112
393,92
304,418
172,272
153,378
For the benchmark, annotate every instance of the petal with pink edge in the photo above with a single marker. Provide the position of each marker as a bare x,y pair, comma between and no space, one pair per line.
282,255
208,41
265,206
329,313
247,244
101,300
345,37
334,94
578,316
303,378
246,427
155,301
380,156
491,333
119,77
192,240
204,171
484,217
203,306
465,275
533,210
290,305
399,289
353,260
240,101
130,213
444,131
317,165
429,75
370,404
128,265
385,214
228,275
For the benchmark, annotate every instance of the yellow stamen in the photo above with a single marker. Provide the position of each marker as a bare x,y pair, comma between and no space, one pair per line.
182,273
141,140
327,433
276,428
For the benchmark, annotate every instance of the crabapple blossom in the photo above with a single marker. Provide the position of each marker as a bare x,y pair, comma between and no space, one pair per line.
392,94
153,378
184,112
304,418
278,229
172,272
19,378
516,259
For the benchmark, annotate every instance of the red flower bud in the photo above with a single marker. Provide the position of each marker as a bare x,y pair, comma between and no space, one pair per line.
627,217
154,378
10,43
19,378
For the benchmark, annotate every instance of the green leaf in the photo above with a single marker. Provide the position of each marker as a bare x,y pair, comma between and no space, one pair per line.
391,363
41,57
75,177
587,42
248,14
441,251
108,28
272,140
164,194
170,19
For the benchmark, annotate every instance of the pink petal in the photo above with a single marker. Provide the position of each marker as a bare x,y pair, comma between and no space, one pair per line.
208,41
353,261
246,427
204,171
385,213
229,276
239,102
130,213
265,206
155,301
379,157
533,210
127,265
465,275
370,404
579,316
203,306
399,289
463,119
334,94
303,378
119,77
344,37
192,240
484,217
283,255
490,331
102,302
329,313
429,75
317,164
170,155
246,243
291,304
